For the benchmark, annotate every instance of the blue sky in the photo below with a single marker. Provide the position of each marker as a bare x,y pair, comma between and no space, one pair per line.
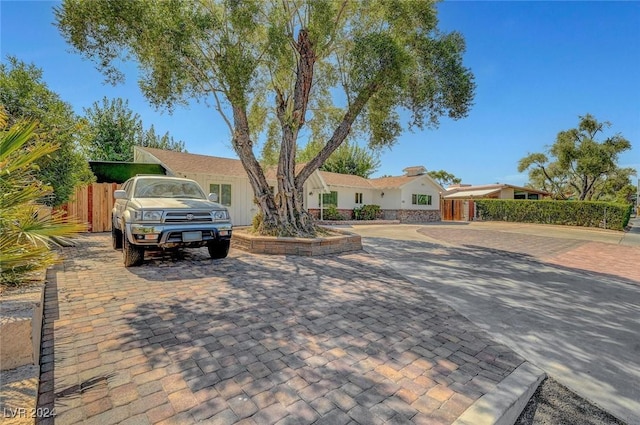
538,66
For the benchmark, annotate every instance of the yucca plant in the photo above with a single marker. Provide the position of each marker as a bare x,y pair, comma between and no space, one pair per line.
26,236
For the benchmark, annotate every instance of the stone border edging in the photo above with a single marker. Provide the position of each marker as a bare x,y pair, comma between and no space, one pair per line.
346,242
354,222
505,403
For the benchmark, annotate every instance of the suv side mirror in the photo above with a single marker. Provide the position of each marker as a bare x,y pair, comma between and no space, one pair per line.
120,194
213,197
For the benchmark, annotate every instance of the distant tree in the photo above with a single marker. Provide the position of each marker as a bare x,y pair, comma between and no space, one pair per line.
443,178
25,96
578,166
150,139
349,158
110,129
274,68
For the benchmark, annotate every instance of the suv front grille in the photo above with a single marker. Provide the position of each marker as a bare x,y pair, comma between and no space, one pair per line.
181,217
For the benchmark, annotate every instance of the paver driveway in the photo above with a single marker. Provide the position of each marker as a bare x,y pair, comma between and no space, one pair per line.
257,339
566,303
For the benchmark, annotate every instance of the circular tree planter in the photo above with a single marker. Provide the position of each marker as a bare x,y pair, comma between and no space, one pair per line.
340,241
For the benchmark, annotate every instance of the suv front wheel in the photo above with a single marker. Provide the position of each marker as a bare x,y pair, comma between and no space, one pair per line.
218,249
116,238
132,255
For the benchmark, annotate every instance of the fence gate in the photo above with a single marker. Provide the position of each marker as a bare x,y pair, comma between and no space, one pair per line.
92,204
453,209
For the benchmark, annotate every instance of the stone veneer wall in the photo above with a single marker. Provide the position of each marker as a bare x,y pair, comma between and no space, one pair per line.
404,216
344,242
413,216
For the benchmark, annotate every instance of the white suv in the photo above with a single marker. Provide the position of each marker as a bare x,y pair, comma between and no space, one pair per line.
160,212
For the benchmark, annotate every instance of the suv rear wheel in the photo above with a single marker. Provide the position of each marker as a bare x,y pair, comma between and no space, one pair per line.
132,255
218,249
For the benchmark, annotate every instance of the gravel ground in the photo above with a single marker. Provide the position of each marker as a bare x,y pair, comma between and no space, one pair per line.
555,404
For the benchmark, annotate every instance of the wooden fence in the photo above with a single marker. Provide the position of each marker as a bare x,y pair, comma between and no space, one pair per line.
92,205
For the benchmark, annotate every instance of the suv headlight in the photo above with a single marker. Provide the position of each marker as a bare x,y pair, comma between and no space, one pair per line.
220,215
148,215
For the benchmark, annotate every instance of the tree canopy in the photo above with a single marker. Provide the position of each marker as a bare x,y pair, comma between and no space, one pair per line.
110,129
285,71
349,158
444,178
25,96
578,166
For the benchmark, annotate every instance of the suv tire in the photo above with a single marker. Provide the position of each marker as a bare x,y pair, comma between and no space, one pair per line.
131,254
116,238
219,249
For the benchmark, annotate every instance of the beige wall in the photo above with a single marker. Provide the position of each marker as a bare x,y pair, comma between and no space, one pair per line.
506,193
422,186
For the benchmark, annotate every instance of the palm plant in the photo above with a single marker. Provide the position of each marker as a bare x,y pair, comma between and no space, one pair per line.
26,236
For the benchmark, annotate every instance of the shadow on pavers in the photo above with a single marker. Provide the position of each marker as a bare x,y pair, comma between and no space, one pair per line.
334,337
520,286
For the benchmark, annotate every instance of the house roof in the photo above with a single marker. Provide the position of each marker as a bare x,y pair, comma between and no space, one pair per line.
468,191
183,162
336,179
193,163
397,181
463,194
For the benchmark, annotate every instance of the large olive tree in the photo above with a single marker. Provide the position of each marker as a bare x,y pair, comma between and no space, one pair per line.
271,67
578,165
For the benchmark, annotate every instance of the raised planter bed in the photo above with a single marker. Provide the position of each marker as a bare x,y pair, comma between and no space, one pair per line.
341,242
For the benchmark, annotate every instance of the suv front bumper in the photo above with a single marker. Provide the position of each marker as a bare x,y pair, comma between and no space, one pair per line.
170,236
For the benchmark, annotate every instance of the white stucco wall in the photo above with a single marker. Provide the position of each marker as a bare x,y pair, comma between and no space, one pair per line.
391,199
420,187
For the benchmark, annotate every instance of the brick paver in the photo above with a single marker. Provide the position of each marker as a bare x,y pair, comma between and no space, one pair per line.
598,257
254,339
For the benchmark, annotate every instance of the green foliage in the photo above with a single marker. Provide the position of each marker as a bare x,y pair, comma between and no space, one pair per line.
27,230
120,172
347,159
366,212
607,215
25,96
109,130
330,212
256,222
311,70
443,178
578,166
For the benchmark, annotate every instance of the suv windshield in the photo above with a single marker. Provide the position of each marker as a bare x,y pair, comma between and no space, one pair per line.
163,188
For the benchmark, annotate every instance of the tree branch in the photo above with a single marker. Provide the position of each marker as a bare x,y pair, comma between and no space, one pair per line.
340,133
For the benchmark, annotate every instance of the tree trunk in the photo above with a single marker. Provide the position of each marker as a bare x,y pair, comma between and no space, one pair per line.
284,213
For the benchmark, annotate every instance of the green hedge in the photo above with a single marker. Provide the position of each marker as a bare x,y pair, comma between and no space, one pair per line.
120,172
606,215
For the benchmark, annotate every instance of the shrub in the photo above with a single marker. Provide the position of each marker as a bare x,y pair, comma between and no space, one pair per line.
331,212
366,212
26,235
606,215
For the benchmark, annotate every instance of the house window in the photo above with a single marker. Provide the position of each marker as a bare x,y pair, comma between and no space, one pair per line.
223,191
417,199
533,196
328,198
358,198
